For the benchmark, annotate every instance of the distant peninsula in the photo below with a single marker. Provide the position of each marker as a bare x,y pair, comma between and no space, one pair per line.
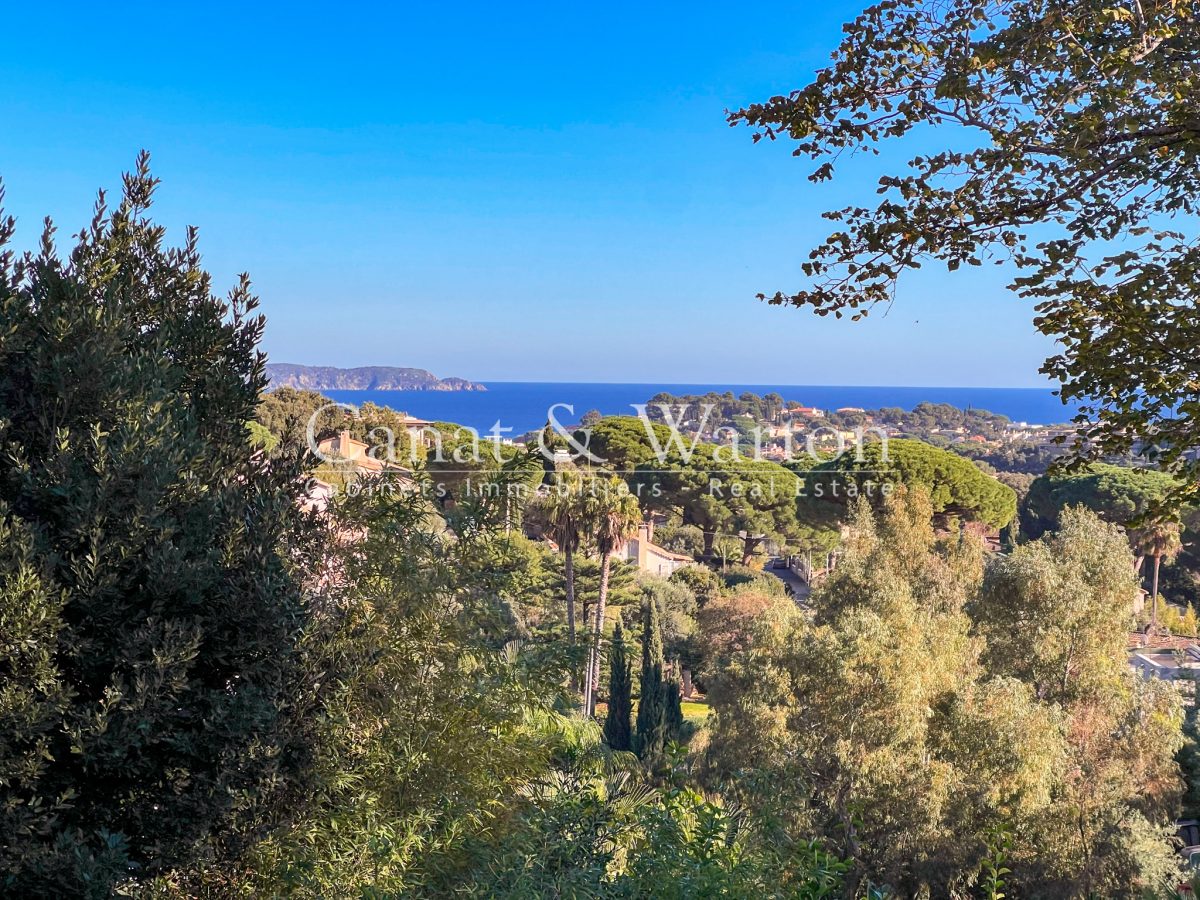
364,378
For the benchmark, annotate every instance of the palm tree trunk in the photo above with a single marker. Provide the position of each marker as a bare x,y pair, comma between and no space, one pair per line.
1154,593
593,672
569,574
709,538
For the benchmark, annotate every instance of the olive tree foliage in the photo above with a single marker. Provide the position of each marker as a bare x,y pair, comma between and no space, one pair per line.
1071,133
878,716
1057,612
286,414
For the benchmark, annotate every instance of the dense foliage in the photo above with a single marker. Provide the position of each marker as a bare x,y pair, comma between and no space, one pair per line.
1118,494
956,488
916,718
651,736
621,443
618,718
712,410
717,492
152,702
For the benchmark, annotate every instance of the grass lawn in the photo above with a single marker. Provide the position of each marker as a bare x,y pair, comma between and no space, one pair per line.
695,711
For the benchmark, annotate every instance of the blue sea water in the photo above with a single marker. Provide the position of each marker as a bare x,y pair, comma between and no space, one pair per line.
523,405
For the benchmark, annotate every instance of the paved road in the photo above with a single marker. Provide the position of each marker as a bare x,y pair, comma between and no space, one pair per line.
800,588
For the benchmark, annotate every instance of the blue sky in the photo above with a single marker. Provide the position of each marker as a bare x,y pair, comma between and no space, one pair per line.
528,191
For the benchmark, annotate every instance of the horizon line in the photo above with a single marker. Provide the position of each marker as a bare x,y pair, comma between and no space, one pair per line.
1049,386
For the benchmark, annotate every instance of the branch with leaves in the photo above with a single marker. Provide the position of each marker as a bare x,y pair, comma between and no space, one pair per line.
1077,134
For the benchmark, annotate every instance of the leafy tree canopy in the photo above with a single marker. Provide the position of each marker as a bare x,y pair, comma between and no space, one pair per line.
721,493
931,701
286,413
1071,141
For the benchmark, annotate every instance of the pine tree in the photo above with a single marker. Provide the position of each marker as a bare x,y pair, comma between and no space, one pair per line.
617,724
651,717
149,611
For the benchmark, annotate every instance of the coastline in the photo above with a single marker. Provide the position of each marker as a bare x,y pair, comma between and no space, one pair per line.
522,405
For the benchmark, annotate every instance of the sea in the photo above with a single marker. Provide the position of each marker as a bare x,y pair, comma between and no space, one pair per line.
522,406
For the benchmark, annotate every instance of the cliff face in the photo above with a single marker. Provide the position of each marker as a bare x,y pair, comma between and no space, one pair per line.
366,378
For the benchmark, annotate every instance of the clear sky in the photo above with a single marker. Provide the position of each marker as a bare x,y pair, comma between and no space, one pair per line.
506,191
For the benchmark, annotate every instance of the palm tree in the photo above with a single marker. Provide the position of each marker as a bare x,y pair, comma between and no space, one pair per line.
1158,541
725,548
614,518
565,511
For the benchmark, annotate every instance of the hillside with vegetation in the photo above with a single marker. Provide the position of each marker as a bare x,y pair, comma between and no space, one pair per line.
362,378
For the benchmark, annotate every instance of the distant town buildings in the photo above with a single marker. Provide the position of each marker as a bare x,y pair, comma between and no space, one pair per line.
808,412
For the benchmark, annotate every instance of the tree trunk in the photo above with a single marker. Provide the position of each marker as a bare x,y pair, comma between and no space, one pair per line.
749,545
593,672
569,573
1154,593
709,538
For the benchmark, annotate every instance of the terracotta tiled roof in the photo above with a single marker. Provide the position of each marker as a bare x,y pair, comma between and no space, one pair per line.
1141,641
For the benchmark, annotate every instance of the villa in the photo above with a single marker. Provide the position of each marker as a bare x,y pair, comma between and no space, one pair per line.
1173,658
352,450
649,557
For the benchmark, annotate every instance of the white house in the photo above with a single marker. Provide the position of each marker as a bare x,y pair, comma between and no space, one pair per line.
649,557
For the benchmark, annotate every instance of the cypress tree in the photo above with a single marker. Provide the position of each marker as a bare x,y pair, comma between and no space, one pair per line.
651,717
673,714
617,724
150,612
